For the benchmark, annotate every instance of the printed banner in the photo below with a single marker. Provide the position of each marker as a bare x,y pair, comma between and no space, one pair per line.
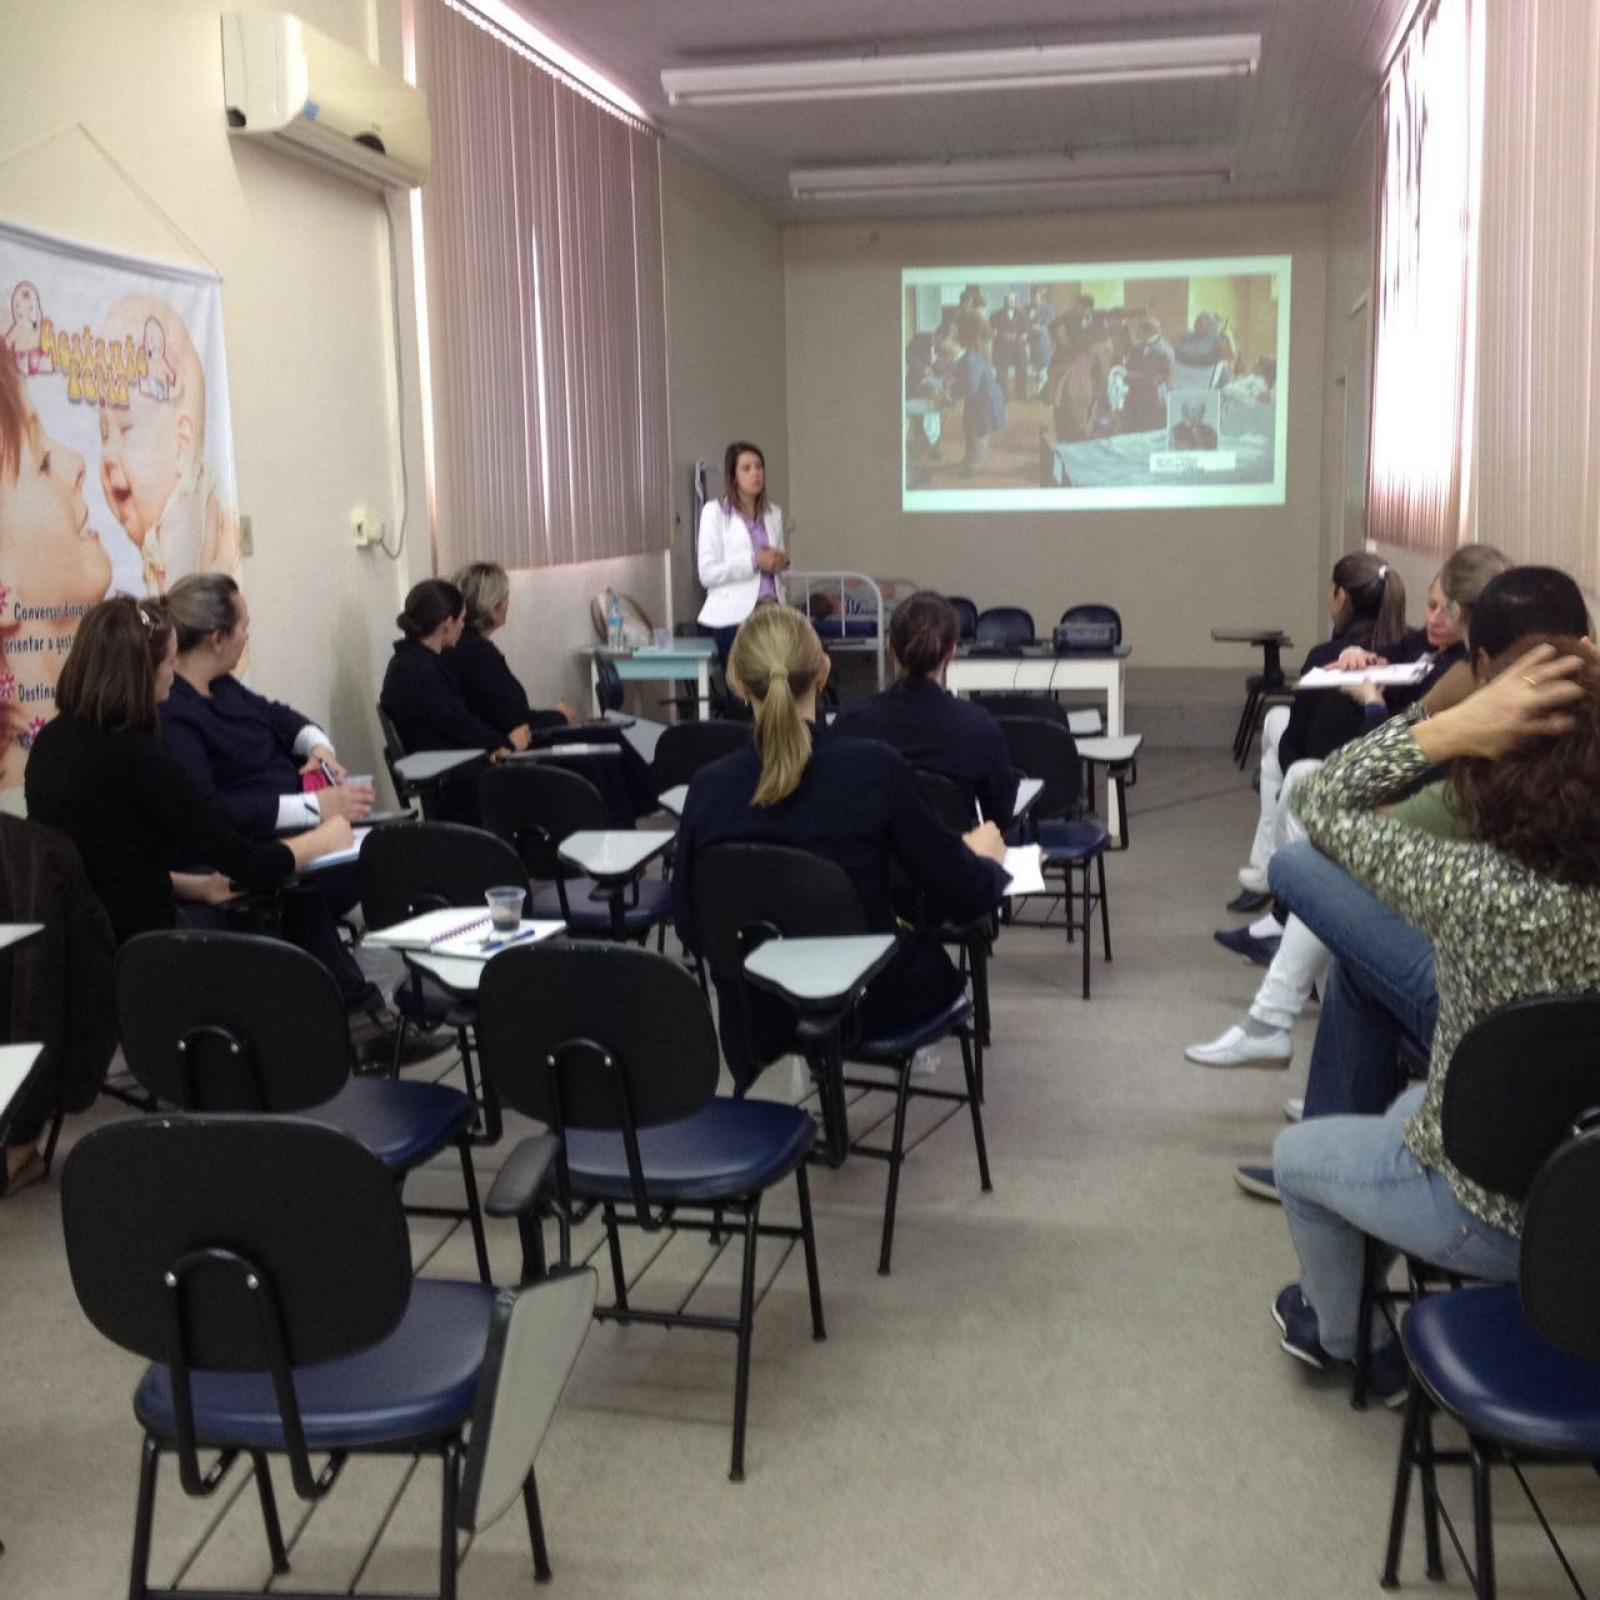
116,451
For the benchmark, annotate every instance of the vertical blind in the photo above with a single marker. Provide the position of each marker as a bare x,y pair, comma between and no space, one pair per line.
1422,374
1537,451
546,310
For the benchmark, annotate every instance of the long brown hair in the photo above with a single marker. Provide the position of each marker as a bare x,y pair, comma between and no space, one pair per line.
109,678
730,476
923,632
1377,592
776,657
1537,804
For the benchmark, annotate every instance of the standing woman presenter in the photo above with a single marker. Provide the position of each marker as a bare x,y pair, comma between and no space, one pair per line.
740,552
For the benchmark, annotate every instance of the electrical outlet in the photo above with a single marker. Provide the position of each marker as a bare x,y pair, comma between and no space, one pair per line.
247,536
365,529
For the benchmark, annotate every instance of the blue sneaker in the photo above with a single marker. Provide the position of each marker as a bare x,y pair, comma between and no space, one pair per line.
1388,1375
1258,1181
1297,1322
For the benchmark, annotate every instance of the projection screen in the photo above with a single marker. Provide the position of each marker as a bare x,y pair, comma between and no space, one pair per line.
1095,386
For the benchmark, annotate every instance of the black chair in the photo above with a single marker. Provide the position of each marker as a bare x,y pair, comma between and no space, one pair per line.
403,872
966,614
685,747
264,1266
613,1048
607,685
1043,704
533,806
1002,628
1043,749
744,894
234,1022
1520,1082
1092,612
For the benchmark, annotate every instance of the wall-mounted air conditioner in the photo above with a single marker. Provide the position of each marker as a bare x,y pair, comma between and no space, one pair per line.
319,100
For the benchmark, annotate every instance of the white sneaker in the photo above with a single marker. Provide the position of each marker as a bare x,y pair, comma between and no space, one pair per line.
1294,1110
925,1063
1236,1048
1254,879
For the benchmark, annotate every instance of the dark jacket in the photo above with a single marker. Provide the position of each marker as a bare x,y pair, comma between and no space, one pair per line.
57,990
937,732
1321,720
490,688
130,809
237,749
423,698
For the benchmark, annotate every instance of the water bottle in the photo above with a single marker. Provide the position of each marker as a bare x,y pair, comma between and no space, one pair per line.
614,629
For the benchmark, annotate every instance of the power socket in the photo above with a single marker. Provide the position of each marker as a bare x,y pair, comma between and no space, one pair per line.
365,529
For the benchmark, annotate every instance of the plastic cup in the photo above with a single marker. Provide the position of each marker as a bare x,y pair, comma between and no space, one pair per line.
358,780
662,638
505,908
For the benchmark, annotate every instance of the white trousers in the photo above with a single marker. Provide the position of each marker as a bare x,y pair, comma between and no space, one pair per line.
1301,961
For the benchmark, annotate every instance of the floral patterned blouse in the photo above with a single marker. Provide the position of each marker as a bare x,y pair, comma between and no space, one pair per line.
1500,932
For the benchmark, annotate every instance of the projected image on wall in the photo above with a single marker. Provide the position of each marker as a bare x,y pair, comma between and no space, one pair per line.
1155,383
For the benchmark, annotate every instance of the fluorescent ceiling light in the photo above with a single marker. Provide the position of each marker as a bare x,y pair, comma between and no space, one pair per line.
983,177
1033,67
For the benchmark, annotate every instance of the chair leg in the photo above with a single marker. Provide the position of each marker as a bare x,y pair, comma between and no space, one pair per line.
1410,1434
52,1139
1482,1526
490,1123
143,1521
1088,926
1105,906
1363,1362
530,1505
269,1513
747,1319
399,1046
980,988
1432,1553
808,1241
619,1279
448,1558
530,1231
469,1181
897,1154
975,1106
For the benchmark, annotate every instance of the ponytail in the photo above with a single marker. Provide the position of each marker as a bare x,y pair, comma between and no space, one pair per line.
1377,593
776,658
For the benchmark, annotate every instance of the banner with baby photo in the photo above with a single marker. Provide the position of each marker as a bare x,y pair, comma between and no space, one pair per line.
116,451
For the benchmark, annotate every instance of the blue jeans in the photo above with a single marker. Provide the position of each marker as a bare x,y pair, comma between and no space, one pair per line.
1381,987
1343,1177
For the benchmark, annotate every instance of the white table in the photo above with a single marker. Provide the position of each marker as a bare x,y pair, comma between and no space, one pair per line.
16,1062
561,752
688,658
1046,674
612,855
462,974
674,799
12,933
424,766
1028,792
1112,754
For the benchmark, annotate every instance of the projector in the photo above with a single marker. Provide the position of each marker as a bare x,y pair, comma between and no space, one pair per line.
1071,637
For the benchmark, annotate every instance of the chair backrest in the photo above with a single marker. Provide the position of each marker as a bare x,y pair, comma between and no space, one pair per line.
534,806
948,799
230,1022
311,1211
429,866
966,614
1006,626
581,1034
1045,749
1094,613
393,746
608,684
1519,1080
1559,1262
685,747
535,1335
1043,706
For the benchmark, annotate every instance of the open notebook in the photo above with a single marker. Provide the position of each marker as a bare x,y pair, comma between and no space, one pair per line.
459,932
1025,863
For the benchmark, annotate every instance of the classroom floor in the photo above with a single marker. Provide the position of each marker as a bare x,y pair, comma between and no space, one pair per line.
1069,1387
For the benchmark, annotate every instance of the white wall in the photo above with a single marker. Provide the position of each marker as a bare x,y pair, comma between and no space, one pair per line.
1173,574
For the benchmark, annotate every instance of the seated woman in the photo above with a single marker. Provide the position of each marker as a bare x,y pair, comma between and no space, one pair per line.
854,801
492,693
101,774
245,753
1513,910
933,730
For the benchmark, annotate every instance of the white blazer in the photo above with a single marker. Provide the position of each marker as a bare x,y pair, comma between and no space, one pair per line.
727,563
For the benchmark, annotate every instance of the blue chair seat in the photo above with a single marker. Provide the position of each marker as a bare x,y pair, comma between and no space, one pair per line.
1072,841
891,1048
732,1147
418,1383
1477,1357
400,1123
655,905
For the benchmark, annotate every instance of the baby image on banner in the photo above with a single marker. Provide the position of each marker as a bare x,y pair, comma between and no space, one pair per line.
116,453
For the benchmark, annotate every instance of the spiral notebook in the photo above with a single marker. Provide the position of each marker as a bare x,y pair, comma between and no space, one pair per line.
459,931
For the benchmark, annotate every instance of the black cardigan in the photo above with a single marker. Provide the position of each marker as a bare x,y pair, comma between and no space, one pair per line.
490,688
423,698
125,802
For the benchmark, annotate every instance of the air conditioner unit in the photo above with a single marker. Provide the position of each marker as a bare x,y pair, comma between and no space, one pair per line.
317,99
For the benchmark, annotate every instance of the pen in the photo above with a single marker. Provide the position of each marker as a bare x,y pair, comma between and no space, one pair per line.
327,772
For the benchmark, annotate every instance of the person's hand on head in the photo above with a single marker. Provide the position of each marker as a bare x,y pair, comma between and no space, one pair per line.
1529,700
986,840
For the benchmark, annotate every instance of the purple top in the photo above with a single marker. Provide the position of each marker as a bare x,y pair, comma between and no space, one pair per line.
759,542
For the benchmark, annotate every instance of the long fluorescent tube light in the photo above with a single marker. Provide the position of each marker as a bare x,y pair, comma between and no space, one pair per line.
980,177
1032,67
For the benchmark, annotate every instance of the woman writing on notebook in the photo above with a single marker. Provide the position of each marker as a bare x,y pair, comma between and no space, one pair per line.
739,551
853,801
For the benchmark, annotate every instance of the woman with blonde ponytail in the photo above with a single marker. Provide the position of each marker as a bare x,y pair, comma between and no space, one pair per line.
853,801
